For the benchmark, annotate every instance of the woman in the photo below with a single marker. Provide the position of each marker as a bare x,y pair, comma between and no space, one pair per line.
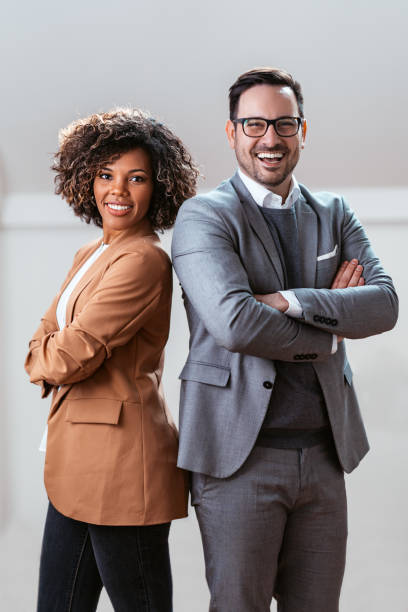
110,468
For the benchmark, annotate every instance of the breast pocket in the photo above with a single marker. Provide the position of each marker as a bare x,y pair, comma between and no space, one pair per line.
326,270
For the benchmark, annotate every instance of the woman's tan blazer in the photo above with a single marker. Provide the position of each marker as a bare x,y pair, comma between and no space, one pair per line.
112,445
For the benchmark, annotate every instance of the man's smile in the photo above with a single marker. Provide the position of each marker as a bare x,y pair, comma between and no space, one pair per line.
270,159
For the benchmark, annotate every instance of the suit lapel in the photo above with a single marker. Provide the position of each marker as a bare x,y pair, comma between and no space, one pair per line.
307,231
258,224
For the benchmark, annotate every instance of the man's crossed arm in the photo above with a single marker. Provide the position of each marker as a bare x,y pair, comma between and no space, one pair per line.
350,274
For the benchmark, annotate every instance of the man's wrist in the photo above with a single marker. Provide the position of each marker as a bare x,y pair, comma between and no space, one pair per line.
294,308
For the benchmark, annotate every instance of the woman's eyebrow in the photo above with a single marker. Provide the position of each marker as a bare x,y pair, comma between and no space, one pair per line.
133,169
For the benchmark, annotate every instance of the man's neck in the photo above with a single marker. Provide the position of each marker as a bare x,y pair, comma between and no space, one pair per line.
282,190
259,192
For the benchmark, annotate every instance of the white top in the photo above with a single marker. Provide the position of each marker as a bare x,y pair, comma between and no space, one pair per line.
62,308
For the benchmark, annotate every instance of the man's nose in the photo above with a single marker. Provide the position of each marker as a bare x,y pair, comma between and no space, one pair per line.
270,138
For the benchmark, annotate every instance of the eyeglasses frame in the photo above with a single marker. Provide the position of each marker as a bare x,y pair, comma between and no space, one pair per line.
269,122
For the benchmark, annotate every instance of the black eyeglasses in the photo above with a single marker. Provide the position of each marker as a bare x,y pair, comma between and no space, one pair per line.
255,127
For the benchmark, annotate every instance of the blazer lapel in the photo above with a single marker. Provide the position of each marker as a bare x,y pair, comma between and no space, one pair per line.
142,230
307,231
84,281
258,224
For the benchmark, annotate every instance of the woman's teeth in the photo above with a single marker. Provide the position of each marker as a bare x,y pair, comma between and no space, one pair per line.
118,207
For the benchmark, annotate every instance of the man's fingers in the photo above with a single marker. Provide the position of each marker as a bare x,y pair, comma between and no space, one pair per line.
347,274
339,275
355,277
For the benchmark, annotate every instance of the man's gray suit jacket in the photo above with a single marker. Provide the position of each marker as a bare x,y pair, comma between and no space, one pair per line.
223,254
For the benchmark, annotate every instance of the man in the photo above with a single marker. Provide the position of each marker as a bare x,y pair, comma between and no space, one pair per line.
273,281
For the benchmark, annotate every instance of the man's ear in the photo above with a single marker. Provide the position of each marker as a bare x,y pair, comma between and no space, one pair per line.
230,130
304,130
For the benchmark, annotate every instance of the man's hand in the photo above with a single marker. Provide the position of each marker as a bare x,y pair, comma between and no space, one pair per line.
274,300
348,275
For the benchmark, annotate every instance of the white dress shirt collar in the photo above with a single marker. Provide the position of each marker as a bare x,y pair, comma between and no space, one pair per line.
266,198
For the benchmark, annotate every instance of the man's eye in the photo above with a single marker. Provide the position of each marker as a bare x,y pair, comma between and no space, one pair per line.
287,123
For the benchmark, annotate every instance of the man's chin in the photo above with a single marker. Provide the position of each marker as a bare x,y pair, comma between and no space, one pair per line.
269,180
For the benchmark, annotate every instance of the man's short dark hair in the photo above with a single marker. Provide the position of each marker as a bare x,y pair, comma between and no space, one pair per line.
263,76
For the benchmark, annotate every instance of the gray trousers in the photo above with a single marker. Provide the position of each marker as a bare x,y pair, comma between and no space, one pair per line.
275,528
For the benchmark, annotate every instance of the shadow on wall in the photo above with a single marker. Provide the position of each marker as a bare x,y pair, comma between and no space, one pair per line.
3,429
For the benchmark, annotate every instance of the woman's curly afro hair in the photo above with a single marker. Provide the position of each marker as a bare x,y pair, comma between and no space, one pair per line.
87,144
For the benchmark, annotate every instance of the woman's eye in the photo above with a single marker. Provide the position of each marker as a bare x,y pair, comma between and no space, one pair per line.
104,175
137,179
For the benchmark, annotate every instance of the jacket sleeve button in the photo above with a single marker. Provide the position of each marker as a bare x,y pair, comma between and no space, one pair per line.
316,318
334,321
267,384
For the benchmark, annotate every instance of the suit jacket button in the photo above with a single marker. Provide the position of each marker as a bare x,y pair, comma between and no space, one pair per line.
313,356
296,356
334,321
327,320
267,384
316,318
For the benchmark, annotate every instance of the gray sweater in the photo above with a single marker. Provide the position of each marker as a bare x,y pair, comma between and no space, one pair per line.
297,407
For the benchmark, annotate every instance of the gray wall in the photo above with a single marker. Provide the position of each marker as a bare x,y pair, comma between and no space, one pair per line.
61,61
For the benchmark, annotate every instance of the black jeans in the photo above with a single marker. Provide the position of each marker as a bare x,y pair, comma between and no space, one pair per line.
78,558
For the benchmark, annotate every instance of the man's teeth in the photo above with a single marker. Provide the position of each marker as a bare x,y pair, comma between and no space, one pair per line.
270,155
118,207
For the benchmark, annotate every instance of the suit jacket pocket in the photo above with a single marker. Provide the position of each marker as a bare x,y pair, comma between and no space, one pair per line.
94,410
207,373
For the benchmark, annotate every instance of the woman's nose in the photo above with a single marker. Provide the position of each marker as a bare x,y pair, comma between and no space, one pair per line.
119,186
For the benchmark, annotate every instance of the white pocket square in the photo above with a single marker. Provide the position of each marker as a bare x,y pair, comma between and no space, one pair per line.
328,255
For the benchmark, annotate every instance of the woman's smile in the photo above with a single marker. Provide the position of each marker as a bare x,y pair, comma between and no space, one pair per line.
118,209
